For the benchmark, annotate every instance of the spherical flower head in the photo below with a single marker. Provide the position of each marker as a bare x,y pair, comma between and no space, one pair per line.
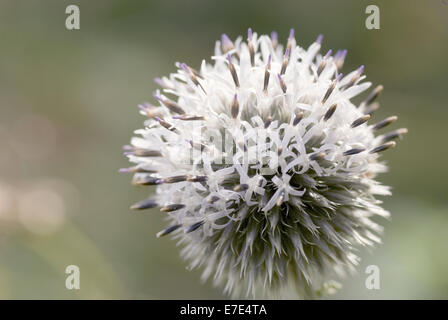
263,165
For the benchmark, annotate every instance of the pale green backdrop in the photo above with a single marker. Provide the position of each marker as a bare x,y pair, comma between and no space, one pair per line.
68,104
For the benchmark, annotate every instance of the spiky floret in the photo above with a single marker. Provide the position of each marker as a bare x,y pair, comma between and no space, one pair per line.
264,166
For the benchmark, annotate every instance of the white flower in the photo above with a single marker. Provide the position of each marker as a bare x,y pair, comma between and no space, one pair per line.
264,166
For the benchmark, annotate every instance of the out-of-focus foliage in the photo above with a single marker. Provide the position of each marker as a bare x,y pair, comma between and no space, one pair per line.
68,103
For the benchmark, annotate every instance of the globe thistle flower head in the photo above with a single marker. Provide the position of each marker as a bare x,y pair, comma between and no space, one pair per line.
263,165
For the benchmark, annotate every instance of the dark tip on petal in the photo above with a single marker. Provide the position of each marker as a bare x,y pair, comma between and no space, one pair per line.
372,108
274,35
194,226
172,207
233,71
373,95
319,39
329,91
213,199
188,117
147,181
144,204
249,34
235,107
384,147
168,230
267,122
317,156
330,112
394,134
240,187
360,121
298,117
353,151
279,150
328,54
166,125
175,179
282,83
147,153
285,60
267,74
124,170
384,123
197,178
136,169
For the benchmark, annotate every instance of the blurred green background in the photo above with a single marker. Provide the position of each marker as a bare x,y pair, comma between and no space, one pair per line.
68,104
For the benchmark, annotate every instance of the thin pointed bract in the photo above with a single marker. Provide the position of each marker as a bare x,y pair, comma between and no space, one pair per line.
233,71
192,76
166,125
323,63
267,74
194,227
383,147
373,95
360,121
235,107
355,77
353,151
174,179
384,123
331,88
189,118
144,204
285,61
197,178
173,106
168,230
330,112
146,181
172,207
394,134
282,83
